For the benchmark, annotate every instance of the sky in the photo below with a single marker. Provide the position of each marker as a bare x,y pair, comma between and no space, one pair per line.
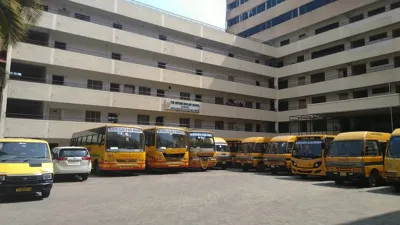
208,11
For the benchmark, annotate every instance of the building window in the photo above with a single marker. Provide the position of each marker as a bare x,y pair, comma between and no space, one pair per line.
283,84
357,43
396,33
162,65
257,83
301,80
248,127
184,122
302,103
271,83
199,72
258,105
95,84
45,8
272,105
356,18
143,119
343,96
219,125
283,105
116,56
257,61
301,36
395,5
231,55
219,100
197,123
112,117
319,99
300,58
144,91
327,51
283,127
285,42
60,45
159,121
379,62
258,128
162,37
129,89
82,17
231,78
160,93
248,104
92,116
318,77
58,80
185,96
358,69
199,47
198,98
376,11
114,87
231,126
117,26
380,90
327,28
342,72
378,37
360,94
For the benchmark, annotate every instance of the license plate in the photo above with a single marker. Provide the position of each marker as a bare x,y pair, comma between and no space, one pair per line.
74,161
272,166
24,189
342,174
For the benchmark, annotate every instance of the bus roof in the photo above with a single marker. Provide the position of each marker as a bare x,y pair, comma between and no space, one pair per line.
234,139
287,138
161,127
256,140
113,125
22,140
396,132
362,135
200,131
322,136
219,140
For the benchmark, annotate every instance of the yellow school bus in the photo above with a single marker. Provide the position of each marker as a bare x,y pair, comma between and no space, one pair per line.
224,157
251,153
113,147
392,160
166,148
357,156
234,145
202,153
279,154
308,155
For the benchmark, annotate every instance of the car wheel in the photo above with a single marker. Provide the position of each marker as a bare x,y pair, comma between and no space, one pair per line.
45,194
84,177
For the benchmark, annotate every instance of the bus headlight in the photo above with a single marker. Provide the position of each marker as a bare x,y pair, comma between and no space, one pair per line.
294,163
2,178
47,176
317,164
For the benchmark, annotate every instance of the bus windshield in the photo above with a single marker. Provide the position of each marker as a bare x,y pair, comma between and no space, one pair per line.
221,147
346,148
278,148
170,138
22,151
307,149
394,147
246,147
201,140
124,139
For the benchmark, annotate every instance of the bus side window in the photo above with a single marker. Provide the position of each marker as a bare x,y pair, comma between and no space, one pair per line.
290,147
372,148
101,139
382,148
149,137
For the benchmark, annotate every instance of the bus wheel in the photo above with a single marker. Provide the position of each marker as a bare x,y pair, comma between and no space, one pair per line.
204,169
245,169
274,171
373,178
260,167
96,168
339,182
223,166
397,187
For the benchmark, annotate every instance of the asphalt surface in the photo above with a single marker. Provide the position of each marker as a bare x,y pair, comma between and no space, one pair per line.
213,197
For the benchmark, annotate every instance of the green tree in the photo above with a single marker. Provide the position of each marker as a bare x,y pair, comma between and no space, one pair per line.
15,18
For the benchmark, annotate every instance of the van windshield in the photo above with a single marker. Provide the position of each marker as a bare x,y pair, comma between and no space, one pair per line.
23,151
346,149
394,147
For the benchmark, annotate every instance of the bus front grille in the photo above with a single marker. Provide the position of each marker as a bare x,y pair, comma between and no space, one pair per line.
174,157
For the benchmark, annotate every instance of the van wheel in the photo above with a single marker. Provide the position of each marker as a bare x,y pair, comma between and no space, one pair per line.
373,178
45,194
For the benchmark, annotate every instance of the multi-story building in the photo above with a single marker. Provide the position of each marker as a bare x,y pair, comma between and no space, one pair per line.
88,63
337,61
283,66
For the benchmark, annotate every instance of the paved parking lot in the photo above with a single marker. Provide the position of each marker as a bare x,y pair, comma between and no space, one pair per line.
212,197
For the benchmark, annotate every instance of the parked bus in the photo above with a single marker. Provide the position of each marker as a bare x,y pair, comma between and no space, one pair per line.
202,153
357,156
224,157
166,148
251,153
234,145
392,160
279,154
113,147
308,155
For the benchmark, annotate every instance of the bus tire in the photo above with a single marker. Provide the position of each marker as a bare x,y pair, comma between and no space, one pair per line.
224,166
339,182
245,169
274,171
397,187
260,167
96,168
203,169
373,178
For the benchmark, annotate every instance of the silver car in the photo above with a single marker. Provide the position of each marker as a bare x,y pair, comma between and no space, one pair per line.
70,160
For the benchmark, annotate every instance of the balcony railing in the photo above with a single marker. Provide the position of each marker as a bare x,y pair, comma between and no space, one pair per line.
128,59
13,76
131,122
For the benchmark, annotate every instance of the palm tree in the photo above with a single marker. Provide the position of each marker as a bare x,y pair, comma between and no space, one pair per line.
15,18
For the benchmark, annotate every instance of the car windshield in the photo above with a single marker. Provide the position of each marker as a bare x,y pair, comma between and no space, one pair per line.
201,140
394,147
170,138
73,152
307,149
23,151
221,147
124,139
346,148
277,148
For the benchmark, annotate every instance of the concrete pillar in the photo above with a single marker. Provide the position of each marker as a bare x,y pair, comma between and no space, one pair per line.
4,92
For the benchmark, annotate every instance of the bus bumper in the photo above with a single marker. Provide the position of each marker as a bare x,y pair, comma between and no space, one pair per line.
123,167
310,172
202,164
345,176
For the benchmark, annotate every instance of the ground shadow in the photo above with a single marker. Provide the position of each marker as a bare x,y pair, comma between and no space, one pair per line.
20,198
392,218
68,179
294,178
387,190
346,185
